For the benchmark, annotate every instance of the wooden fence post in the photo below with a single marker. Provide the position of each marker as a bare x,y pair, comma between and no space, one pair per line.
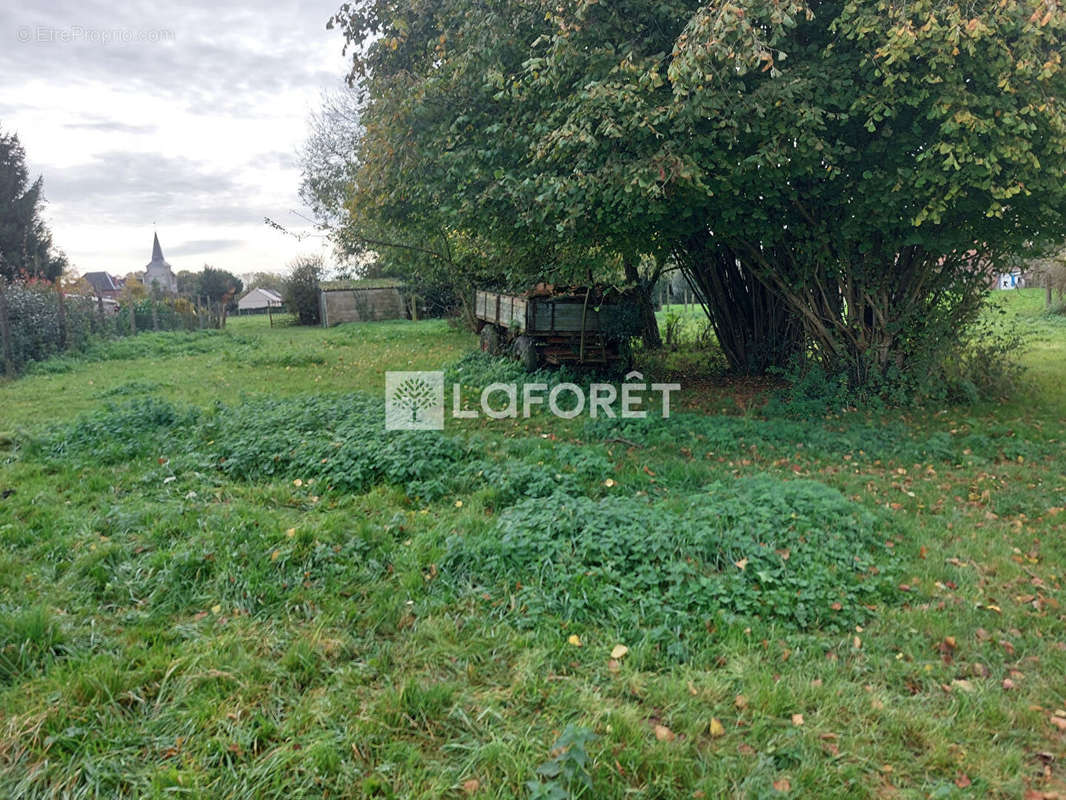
5,332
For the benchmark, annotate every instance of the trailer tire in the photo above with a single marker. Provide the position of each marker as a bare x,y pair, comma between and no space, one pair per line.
490,340
525,350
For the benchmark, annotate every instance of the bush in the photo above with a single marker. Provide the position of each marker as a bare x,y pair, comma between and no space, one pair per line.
791,552
36,324
40,331
300,289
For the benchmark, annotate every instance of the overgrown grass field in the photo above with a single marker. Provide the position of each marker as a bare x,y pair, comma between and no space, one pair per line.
221,577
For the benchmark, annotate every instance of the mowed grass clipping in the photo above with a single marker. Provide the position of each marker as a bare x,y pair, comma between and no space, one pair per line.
220,577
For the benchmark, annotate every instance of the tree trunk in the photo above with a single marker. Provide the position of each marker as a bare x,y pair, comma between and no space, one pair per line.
649,323
753,324
1047,286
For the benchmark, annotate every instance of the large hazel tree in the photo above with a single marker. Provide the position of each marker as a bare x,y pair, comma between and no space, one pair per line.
837,178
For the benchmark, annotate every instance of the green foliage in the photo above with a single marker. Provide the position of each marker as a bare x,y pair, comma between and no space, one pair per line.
26,249
293,359
836,178
135,429
216,284
46,338
134,387
300,290
858,440
479,369
566,774
791,552
159,345
985,364
215,636
37,326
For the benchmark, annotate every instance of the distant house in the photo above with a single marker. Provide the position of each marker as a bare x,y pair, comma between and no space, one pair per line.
158,273
259,300
365,300
104,285
1010,280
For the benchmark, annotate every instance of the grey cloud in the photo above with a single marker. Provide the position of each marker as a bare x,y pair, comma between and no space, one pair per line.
208,58
110,126
120,187
199,246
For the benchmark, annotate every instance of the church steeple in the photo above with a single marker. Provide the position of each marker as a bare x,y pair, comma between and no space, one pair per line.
158,271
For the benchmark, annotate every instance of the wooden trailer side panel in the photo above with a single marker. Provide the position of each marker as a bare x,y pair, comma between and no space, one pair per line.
555,316
504,310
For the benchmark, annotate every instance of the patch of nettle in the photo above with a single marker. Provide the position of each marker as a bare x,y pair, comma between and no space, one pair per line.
797,553
562,544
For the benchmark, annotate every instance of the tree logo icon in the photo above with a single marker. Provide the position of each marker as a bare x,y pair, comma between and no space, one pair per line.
414,401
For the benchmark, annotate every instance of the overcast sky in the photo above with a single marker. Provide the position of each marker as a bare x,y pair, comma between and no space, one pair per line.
183,117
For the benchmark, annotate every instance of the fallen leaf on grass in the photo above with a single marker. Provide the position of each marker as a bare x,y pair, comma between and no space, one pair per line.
574,640
742,564
664,734
741,702
717,729
963,780
471,786
782,785
797,719
619,651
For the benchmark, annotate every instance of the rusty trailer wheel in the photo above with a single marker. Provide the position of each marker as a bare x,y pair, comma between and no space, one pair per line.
490,340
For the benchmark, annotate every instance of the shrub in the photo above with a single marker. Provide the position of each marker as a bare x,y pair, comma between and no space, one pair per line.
300,289
36,325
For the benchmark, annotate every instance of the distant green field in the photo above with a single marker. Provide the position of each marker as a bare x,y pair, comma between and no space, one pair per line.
221,577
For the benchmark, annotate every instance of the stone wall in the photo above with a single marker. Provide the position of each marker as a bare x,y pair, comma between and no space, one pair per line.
360,305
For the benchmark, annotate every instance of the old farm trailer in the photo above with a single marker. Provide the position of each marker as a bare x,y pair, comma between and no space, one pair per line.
578,326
